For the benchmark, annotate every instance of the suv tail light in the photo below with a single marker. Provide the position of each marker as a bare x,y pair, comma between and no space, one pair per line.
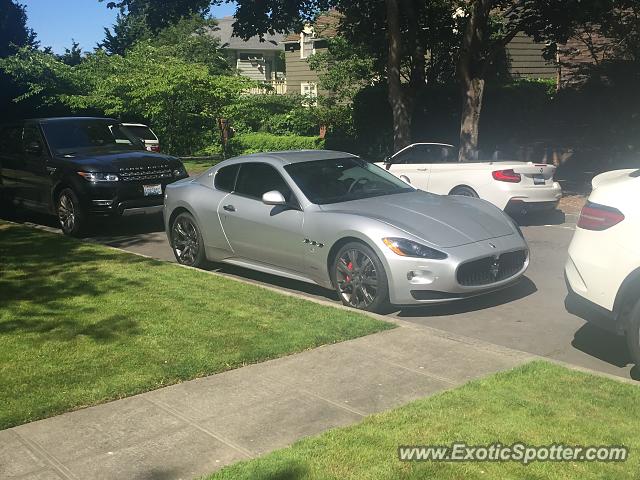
507,176
599,217
154,148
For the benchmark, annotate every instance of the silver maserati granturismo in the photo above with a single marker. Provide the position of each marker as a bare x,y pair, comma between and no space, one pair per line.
336,220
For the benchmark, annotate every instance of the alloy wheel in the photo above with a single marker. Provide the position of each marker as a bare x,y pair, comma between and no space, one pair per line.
185,241
67,212
357,278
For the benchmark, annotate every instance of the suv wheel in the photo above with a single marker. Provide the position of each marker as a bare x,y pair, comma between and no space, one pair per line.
633,333
360,279
186,241
70,213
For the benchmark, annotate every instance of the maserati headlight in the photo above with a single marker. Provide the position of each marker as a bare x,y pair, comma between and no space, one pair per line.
99,177
408,248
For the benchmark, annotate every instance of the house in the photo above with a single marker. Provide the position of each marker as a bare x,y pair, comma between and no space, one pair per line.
300,46
525,56
526,59
260,60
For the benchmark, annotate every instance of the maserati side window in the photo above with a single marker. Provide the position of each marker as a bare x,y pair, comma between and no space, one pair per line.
256,179
226,178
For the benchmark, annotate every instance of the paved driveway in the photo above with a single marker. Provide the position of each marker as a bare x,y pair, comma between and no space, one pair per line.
531,316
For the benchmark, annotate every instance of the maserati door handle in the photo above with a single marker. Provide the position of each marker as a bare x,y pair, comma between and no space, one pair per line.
229,208
422,169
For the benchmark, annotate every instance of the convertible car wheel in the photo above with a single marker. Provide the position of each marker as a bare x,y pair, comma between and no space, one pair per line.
360,279
186,241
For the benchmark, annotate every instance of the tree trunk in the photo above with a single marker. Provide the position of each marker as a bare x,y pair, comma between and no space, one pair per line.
473,93
471,70
400,105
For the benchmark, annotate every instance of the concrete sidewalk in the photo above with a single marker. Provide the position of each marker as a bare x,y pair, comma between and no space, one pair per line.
197,427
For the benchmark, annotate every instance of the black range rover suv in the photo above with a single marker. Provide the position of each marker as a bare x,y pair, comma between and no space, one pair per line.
77,168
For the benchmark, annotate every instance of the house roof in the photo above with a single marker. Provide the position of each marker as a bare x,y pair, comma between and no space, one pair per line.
224,33
325,26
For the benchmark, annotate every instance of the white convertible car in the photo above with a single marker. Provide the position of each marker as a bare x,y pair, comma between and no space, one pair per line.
516,187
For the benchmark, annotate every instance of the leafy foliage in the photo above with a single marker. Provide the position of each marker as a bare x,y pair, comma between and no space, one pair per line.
266,142
181,99
72,56
344,68
142,19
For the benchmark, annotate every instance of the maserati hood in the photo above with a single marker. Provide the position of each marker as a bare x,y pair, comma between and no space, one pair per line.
442,221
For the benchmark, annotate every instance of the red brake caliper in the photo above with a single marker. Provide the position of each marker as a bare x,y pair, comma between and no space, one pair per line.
350,268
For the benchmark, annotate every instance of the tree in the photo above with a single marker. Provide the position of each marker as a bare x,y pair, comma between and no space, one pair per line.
72,56
190,39
345,68
139,19
127,30
181,99
14,32
489,25
396,33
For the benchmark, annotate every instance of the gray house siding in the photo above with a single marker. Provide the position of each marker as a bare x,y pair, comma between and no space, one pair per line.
298,72
526,60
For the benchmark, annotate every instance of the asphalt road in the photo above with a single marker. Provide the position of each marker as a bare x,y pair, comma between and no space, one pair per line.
531,316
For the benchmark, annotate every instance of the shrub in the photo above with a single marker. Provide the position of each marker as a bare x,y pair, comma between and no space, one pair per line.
266,142
250,112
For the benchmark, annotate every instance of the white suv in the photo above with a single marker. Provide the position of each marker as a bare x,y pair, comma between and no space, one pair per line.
145,134
604,257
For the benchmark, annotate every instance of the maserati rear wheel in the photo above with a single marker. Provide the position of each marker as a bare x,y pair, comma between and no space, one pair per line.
186,241
360,279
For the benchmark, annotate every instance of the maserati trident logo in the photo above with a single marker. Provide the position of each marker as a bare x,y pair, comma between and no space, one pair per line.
494,269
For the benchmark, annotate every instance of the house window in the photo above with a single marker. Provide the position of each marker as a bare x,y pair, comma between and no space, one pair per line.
306,45
309,90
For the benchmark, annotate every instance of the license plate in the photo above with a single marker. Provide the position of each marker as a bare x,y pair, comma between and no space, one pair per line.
538,179
150,190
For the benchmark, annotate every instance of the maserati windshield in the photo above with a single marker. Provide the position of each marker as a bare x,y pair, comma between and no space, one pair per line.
342,180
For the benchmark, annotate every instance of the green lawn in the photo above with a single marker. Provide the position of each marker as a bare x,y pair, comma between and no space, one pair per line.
81,324
539,404
197,166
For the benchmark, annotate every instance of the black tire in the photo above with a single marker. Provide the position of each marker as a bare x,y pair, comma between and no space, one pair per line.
71,214
357,268
633,333
464,191
186,241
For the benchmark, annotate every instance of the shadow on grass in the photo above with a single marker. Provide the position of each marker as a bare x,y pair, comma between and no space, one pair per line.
49,283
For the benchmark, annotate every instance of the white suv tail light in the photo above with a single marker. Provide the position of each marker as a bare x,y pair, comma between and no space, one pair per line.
599,217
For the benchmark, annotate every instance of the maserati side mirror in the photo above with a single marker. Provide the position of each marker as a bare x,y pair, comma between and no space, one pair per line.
273,197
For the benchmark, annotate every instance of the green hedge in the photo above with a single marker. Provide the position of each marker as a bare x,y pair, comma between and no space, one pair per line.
266,142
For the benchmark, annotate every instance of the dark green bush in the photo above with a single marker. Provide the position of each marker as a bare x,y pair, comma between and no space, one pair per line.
265,142
250,112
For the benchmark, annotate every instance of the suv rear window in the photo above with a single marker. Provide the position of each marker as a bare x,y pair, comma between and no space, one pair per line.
144,133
